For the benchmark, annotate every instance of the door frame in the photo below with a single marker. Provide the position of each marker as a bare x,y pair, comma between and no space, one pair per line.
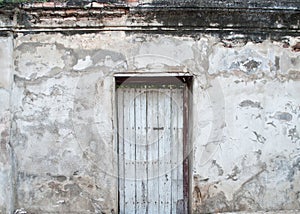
165,78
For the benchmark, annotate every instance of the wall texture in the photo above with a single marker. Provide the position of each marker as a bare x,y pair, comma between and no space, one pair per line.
57,109
6,157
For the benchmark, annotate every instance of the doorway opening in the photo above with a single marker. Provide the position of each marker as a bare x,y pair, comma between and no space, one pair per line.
153,150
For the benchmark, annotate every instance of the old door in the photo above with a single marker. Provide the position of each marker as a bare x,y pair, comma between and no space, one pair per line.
151,148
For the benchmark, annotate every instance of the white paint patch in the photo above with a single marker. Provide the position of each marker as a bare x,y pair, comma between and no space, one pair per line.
83,63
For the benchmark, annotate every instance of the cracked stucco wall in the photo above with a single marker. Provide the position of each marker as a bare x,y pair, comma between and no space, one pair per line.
63,133
57,109
245,127
6,163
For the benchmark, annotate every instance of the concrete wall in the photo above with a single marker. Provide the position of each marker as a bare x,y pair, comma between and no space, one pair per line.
63,126
246,135
245,127
57,110
6,163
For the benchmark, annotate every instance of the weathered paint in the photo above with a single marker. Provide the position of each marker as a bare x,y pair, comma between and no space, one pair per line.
150,119
6,154
59,150
244,123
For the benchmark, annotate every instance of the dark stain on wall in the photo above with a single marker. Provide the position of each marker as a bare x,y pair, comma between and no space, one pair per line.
256,20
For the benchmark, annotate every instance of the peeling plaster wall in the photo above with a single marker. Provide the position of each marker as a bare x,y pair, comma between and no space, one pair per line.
61,127
245,119
246,129
6,164
58,122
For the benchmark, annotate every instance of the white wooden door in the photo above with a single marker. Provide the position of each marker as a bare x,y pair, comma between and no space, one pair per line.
150,135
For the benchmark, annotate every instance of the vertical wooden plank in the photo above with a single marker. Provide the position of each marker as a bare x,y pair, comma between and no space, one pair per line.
174,154
159,170
168,151
164,152
121,163
138,127
148,117
177,147
136,119
180,125
148,146
141,158
152,144
161,156
129,149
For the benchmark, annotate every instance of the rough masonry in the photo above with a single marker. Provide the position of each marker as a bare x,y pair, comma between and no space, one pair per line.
57,110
